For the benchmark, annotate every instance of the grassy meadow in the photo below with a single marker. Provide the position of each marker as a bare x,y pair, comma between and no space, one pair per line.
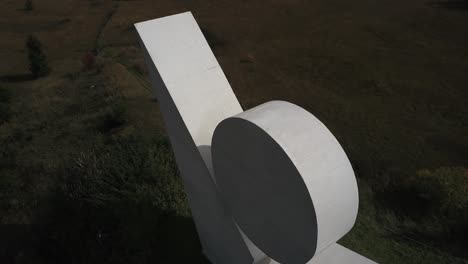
87,174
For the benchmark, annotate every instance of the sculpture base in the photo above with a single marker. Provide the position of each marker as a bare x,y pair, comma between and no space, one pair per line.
337,254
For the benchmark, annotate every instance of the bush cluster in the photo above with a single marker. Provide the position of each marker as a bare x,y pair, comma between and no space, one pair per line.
5,98
443,193
37,59
88,60
28,5
112,117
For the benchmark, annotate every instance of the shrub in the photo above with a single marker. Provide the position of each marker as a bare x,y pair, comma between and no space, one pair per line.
37,59
88,60
443,200
140,68
28,5
444,190
5,98
114,116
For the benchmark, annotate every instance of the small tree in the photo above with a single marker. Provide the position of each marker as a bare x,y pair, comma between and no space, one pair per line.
28,5
88,60
37,59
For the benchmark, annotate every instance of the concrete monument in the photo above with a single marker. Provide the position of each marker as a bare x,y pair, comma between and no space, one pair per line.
266,185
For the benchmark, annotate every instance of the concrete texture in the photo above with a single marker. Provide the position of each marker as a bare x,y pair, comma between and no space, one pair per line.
336,254
276,168
194,96
288,182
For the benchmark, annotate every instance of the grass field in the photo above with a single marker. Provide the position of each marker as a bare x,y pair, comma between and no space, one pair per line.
86,171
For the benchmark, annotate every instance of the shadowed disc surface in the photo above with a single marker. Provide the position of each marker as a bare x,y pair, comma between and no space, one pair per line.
265,191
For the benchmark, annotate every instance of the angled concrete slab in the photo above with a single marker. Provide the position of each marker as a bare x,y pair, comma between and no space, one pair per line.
194,96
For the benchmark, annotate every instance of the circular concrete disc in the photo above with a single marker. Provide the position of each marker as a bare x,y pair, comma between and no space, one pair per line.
286,180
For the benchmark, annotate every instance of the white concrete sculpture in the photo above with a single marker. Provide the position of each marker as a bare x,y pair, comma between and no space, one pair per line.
268,185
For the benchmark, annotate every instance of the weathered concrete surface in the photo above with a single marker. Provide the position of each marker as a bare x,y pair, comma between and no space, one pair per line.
278,169
287,180
194,96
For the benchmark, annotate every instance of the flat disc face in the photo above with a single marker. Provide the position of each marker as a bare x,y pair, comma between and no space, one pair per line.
264,191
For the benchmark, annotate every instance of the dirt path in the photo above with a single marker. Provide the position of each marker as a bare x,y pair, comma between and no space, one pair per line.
101,28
